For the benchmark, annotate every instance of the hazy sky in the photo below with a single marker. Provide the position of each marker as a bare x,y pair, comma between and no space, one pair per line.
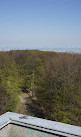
38,24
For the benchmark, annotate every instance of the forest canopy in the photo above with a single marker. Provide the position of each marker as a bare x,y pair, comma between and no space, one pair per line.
54,78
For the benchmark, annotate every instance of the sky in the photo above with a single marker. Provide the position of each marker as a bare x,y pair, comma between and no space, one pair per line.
40,24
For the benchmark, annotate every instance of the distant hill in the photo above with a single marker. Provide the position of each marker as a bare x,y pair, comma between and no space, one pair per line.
65,50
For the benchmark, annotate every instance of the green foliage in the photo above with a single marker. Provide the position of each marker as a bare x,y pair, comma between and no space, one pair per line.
9,83
59,90
54,78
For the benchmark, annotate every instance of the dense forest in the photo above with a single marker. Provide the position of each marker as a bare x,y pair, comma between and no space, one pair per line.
54,78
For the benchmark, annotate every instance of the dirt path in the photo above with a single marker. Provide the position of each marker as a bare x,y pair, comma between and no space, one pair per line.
29,106
22,107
